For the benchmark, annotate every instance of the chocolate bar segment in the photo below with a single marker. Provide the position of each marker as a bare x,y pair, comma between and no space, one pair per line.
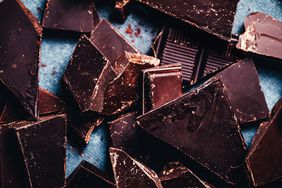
161,85
263,161
74,16
213,16
87,175
199,56
123,92
19,45
130,173
243,90
175,175
197,124
49,103
263,35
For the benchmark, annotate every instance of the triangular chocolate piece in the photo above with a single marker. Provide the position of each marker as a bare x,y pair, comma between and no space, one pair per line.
19,43
130,173
49,103
202,126
263,161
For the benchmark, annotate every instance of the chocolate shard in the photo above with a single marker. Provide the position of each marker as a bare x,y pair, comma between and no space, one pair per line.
123,92
87,175
49,103
176,175
197,124
161,85
247,100
200,56
41,151
72,16
214,17
19,44
263,162
130,173
263,35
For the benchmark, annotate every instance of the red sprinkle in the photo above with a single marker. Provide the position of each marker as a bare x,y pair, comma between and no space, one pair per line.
129,30
137,32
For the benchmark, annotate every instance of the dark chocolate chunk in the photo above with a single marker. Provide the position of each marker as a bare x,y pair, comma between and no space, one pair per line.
130,173
263,35
87,175
123,92
48,103
175,175
243,90
202,125
74,15
213,16
198,55
42,148
161,85
263,161
19,47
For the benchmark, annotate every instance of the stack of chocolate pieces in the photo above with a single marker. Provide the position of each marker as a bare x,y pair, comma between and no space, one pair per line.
160,135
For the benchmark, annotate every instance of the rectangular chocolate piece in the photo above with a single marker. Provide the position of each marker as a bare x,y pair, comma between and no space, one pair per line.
176,175
161,85
263,162
199,56
40,148
73,16
19,47
213,16
86,175
243,90
130,173
197,124
263,35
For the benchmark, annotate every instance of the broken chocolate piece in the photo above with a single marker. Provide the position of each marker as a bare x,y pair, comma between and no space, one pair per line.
197,124
74,16
49,103
161,85
123,92
263,35
42,147
175,175
213,16
263,161
243,90
130,173
19,47
87,175
199,56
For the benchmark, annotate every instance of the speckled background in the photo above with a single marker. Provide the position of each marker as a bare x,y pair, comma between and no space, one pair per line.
56,52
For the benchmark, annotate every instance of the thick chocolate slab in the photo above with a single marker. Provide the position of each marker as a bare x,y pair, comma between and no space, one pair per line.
175,175
123,92
263,35
197,124
74,16
263,161
161,85
243,90
19,45
130,173
48,103
87,175
213,16
199,56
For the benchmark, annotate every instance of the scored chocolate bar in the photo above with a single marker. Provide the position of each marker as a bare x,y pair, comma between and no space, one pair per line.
74,16
263,35
160,85
128,172
202,126
263,161
198,56
19,43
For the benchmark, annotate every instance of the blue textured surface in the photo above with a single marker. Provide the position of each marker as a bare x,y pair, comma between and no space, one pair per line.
56,52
